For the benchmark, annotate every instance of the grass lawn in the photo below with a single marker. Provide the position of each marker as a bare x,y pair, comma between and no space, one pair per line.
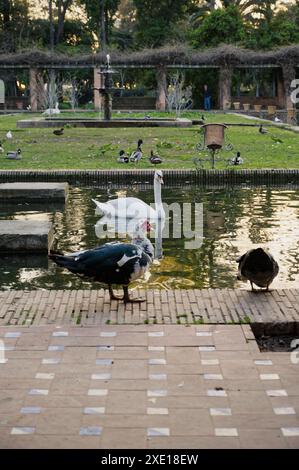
81,148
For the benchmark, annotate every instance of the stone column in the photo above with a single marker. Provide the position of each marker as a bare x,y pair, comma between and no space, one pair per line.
225,85
280,89
289,74
33,85
97,83
161,75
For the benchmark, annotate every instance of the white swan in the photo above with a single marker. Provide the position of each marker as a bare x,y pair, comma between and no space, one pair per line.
50,111
132,207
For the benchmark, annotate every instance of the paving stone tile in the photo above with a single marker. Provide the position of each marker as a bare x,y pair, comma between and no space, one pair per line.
104,362
255,402
56,348
210,362
77,385
59,421
105,376
94,411
157,411
262,439
91,431
12,334
157,362
38,391
129,402
277,393
226,432
157,376
284,411
193,442
22,430
97,392
31,410
51,442
269,377
220,411
216,393
187,422
213,376
290,432
157,393
124,438
158,432
43,376
133,369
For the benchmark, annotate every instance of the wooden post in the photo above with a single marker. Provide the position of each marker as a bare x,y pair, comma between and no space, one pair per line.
33,85
97,83
161,89
225,85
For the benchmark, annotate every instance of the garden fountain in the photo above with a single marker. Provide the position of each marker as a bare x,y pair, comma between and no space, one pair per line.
107,89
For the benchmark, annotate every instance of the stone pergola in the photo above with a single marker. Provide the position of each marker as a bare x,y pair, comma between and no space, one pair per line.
224,60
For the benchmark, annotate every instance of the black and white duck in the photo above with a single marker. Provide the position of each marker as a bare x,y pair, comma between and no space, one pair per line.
237,160
113,263
259,267
14,155
155,159
262,130
59,131
122,157
136,156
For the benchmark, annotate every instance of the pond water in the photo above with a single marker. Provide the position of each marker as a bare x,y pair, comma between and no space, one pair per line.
235,220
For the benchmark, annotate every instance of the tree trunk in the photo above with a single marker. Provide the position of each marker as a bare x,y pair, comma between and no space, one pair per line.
6,13
62,9
102,34
52,32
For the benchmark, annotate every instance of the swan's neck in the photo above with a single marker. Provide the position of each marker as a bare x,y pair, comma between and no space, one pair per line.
157,192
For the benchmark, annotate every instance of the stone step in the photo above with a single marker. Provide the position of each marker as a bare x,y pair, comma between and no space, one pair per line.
34,191
25,236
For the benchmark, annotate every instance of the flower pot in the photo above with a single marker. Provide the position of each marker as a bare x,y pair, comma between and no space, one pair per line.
257,108
291,115
214,135
246,107
19,104
272,110
236,105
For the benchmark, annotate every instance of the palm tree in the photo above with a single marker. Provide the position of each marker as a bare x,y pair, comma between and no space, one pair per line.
251,10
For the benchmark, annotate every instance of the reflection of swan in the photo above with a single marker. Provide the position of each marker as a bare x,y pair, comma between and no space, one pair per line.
132,207
50,111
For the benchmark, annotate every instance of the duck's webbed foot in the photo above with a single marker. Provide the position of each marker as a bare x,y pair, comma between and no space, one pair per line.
127,298
113,296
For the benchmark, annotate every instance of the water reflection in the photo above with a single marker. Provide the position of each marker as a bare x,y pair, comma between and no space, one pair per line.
235,220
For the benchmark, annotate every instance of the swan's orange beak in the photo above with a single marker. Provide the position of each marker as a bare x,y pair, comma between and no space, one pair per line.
161,181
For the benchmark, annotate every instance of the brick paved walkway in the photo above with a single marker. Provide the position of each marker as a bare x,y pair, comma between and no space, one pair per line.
145,386
93,307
